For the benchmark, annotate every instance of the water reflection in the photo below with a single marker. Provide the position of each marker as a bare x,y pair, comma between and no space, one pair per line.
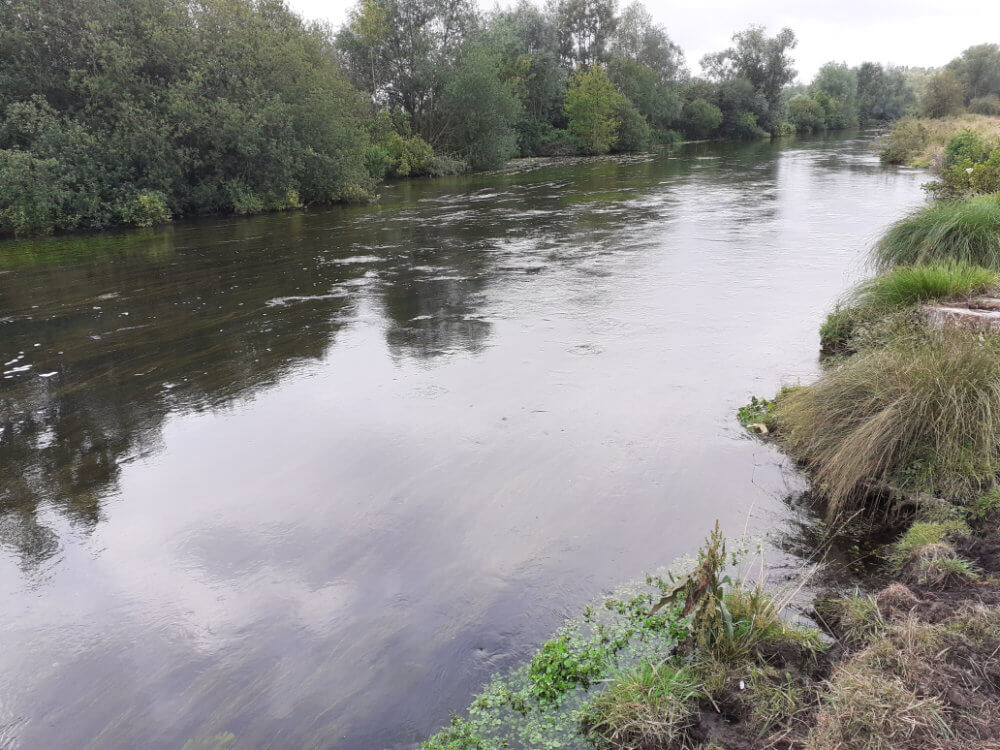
311,478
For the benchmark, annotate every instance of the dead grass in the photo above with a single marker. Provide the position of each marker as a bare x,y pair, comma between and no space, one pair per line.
920,142
866,709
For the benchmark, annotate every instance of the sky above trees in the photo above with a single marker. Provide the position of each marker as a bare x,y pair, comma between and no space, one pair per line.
904,32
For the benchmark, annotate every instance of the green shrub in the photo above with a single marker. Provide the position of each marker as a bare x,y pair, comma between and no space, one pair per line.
962,231
147,209
378,162
747,128
922,413
557,142
287,201
633,131
355,194
667,137
700,118
34,195
409,156
807,114
907,139
967,146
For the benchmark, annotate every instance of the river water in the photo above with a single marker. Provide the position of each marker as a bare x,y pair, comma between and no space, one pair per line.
310,479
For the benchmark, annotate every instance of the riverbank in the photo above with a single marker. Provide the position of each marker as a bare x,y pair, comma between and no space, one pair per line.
897,642
921,141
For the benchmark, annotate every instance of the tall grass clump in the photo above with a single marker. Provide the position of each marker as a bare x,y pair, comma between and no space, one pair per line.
911,285
921,413
962,231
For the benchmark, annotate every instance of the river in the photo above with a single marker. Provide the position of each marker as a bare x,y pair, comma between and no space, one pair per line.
309,479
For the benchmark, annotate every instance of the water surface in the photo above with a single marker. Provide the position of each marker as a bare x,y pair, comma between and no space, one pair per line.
310,479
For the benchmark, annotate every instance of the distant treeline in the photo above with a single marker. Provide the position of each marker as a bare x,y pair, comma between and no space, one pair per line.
136,111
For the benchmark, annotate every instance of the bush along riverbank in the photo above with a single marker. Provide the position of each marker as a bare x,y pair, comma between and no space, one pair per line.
901,438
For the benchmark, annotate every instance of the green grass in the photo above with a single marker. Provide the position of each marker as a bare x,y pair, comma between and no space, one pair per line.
961,231
922,534
922,413
856,619
905,286
652,705
923,554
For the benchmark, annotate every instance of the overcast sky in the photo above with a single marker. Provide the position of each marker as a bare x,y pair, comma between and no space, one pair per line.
903,32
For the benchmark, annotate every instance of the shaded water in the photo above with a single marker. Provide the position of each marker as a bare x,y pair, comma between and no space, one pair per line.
310,479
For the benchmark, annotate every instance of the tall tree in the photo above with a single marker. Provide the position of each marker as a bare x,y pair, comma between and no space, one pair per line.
585,27
763,61
640,39
979,69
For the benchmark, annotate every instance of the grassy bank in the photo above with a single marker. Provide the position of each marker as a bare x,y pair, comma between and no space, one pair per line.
921,141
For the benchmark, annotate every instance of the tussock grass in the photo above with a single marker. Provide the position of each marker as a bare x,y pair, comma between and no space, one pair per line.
922,534
963,231
856,619
922,413
882,307
651,706
920,142
912,285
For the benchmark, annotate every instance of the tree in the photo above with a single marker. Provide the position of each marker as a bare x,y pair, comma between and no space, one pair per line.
591,102
836,89
133,110
978,68
806,114
658,102
944,95
763,61
525,43
480,111
633,131
883,93
417,40
369,26
639,39
584,28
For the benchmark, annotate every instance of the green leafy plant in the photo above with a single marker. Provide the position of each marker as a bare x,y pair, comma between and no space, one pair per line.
559,667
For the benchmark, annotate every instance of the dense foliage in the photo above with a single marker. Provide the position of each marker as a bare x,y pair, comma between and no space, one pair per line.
130,112
136,111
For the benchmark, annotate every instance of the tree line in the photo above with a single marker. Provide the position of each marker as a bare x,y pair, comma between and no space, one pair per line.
136,111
